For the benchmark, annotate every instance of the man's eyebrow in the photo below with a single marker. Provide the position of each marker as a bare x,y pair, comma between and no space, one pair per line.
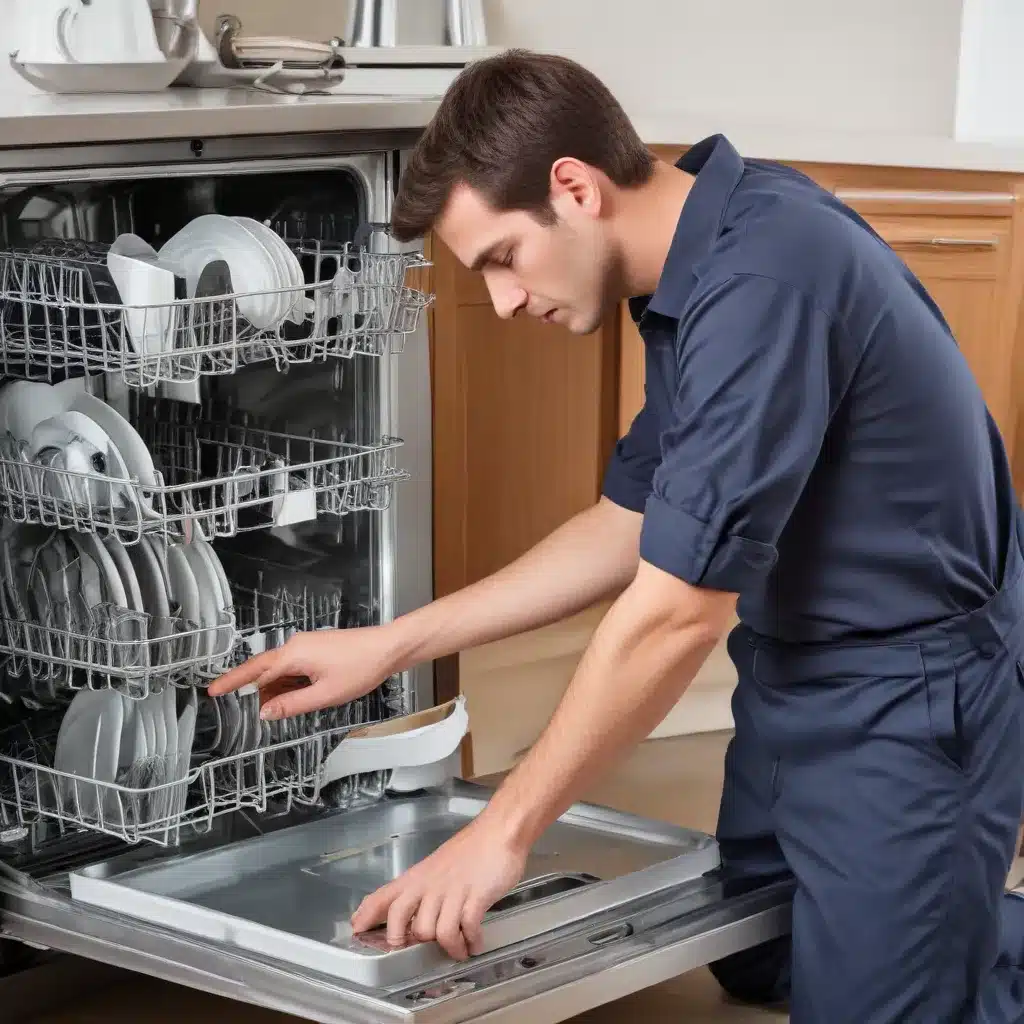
486,255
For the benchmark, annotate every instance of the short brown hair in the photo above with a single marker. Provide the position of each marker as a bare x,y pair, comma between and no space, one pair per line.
502,124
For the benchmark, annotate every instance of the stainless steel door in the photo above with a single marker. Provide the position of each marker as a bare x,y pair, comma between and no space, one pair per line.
570,964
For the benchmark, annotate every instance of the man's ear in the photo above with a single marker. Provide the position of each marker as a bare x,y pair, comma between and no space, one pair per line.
573,180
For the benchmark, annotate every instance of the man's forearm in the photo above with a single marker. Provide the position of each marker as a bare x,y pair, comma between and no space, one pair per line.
638,665
593,556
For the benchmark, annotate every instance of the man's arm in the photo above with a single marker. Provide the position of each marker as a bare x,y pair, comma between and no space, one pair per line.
639,662
641,659
593,556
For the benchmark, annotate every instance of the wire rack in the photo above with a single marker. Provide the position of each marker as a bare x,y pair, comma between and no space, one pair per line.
108,646
215,478
60,312
180,799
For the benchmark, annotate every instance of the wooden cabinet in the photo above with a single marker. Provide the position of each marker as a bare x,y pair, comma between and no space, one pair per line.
524,422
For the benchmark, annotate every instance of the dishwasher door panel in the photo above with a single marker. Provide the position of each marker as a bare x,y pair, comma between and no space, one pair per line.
551,977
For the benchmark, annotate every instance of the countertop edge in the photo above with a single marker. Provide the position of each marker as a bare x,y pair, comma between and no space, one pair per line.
40,121
805,145
77,121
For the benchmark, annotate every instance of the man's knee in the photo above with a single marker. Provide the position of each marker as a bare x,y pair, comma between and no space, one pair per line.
759,975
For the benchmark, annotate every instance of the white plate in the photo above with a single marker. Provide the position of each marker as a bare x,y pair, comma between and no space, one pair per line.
91,576
253,270
129,751
152,582
105,757
23,404
79,79
184,590
125,437
209,596
281,301
228,601
110,579
169,704
84,742
288,261
129,580
220,591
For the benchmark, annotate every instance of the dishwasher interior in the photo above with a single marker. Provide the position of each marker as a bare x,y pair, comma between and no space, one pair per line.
262,448
208,373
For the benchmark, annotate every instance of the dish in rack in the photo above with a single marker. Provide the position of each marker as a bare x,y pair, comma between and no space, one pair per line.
78,611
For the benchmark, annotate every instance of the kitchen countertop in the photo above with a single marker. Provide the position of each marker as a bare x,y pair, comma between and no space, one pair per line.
44,120
777,140
41,120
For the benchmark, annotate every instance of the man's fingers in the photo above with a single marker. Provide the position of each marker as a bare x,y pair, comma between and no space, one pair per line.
297,702
472,924
449,926
262,669
374,909
424,925
400,916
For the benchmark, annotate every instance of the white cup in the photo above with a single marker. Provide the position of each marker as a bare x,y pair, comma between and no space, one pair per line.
108,32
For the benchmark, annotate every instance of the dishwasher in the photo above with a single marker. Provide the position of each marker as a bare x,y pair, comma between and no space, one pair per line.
215,430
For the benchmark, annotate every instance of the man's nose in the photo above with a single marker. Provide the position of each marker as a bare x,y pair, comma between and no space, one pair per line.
507,298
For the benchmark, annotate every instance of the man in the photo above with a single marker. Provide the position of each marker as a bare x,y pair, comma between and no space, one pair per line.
813,447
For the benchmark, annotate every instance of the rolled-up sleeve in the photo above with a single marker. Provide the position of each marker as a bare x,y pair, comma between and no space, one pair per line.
755,398
629,476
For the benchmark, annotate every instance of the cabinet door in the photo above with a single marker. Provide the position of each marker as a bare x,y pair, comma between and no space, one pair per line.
631,370
524,421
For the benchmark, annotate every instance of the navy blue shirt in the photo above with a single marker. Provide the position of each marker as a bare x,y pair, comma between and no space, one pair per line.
811,437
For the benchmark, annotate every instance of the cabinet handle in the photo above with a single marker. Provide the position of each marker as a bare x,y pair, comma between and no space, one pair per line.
949,243
880,195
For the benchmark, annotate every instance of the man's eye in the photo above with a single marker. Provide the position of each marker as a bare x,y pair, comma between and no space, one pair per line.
507,261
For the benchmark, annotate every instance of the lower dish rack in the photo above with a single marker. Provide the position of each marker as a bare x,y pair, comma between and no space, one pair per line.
222,759
162,800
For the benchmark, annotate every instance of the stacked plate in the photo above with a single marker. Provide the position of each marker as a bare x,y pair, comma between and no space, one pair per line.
110,739
160,609
97,454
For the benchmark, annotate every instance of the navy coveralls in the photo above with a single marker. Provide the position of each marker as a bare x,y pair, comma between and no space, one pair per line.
813,440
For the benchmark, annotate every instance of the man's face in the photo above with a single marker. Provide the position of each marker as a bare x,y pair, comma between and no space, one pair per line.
560,273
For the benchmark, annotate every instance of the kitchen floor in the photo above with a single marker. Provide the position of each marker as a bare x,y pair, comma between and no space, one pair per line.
677,780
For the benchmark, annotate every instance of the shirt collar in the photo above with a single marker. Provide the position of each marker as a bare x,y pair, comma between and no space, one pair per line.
718,169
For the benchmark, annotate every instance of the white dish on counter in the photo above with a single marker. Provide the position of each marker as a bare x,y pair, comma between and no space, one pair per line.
89,79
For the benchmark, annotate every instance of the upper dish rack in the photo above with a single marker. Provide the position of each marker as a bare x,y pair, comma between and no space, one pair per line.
215,477
60,313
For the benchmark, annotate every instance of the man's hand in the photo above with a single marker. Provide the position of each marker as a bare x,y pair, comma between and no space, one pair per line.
316,670
445,897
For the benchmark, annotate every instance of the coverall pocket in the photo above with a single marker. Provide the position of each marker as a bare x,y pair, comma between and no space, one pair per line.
819,700
945,713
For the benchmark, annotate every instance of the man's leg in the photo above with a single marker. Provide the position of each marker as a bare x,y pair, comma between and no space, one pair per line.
898,799
746,837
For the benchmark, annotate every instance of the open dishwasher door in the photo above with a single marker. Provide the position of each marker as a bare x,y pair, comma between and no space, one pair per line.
610,904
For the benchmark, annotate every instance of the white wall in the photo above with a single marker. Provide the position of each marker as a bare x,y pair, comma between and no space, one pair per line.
846,65
842,65
990,95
